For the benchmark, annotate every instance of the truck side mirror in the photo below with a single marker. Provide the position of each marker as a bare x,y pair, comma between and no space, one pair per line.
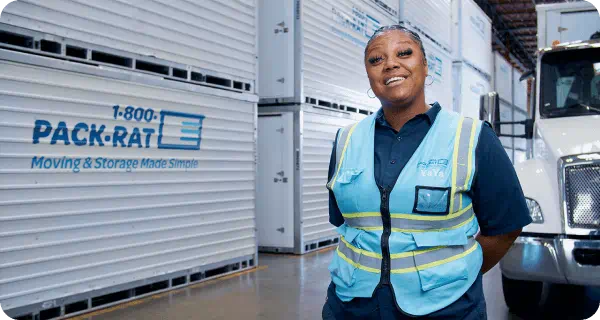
489,110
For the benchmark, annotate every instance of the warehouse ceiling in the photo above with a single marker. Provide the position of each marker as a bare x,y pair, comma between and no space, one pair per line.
514,25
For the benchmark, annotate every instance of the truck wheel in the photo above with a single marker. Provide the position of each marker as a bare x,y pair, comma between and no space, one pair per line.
522,297
569,302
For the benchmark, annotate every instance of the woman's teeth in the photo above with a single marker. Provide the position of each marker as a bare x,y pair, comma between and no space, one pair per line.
394,79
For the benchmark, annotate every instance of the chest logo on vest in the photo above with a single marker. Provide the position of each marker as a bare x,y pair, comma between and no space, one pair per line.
433,168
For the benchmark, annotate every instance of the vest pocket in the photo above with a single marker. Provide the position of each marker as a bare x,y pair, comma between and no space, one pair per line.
436,276
343,266
432,200
346,176
342,272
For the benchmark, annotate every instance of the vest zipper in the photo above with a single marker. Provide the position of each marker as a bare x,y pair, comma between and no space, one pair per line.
385,247
385,239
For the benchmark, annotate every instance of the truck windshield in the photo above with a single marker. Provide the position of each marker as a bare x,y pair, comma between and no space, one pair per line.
570,83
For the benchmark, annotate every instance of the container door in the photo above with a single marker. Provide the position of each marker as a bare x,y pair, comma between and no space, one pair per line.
276,49
275,191
578,25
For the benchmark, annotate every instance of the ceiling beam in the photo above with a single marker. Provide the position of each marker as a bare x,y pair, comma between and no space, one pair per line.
512,2
504,10
515,46
520,29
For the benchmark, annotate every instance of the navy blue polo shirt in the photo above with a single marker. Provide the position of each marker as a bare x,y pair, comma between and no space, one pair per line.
498,199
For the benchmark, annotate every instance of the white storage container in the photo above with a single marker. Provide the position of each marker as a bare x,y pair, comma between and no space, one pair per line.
218,38
520,91
566,22
293,161
440,68
472,35
312,51
503,78
114,184
432,17
469,85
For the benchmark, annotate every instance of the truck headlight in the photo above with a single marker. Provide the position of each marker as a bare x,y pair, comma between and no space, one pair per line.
535,211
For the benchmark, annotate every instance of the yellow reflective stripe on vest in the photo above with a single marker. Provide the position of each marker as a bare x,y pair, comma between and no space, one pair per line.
419,230
455,163
470,163
359,251
404,221
438,262
462,161
343,138
356,265
404,262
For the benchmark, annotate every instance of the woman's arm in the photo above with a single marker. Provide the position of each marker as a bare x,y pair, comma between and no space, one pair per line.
498,199
495,247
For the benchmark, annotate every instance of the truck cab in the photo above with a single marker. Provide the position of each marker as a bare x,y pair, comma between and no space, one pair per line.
556,260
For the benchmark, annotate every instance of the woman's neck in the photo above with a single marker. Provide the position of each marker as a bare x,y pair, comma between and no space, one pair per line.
398,116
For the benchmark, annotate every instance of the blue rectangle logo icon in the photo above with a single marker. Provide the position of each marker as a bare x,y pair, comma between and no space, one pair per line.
182,131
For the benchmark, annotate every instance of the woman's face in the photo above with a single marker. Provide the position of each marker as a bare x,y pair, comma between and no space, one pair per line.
396,68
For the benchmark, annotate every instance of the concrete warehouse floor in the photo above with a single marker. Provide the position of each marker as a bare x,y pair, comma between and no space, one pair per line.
282,287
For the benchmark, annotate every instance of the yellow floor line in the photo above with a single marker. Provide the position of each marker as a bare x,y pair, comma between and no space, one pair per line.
163,294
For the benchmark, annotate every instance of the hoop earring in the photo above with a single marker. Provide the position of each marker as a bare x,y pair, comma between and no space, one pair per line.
430,82
374,96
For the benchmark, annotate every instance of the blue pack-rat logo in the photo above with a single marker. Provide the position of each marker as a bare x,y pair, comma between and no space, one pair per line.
138,129
180,130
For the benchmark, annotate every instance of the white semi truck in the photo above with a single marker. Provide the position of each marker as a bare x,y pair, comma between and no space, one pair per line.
553,268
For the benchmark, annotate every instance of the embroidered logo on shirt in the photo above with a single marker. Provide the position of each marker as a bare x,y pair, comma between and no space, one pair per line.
433,168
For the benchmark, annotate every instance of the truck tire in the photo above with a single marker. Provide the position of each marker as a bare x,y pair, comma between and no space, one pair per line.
568,302
522,297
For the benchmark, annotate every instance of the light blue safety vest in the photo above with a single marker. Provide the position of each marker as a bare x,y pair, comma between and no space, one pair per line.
417,237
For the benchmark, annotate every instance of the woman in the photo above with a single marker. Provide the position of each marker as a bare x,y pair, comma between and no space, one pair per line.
410,186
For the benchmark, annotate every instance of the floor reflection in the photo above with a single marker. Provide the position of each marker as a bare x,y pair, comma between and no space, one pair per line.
284,287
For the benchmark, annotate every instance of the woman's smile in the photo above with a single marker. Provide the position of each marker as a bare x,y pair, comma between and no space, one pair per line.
394,81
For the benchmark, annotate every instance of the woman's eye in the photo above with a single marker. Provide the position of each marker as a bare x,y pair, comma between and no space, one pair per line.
406,52
374,60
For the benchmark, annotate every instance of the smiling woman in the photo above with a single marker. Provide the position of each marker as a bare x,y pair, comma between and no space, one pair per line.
396,65
409,187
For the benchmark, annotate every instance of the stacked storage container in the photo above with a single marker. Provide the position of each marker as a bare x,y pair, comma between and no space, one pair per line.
127,160
432,21
473,66
312,82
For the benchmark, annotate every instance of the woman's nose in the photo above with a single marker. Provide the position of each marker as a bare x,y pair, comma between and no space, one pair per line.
391,64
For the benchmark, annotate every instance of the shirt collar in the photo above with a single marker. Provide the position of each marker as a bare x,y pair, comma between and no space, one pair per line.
430,115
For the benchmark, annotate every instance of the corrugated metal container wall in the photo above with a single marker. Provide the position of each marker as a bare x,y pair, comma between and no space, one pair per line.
318,137
440,68
335,33
472,35
312,51
106,193
503,81
469,86
520,91
297,218
219,37
431,17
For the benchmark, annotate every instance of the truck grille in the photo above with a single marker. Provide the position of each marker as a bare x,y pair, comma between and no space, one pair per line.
582,189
